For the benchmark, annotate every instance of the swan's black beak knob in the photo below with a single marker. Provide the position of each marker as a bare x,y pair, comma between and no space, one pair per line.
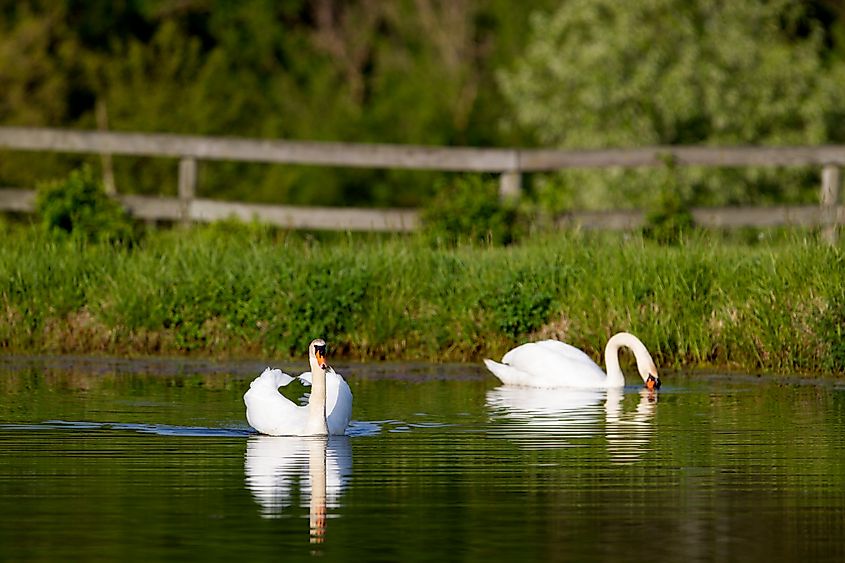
652,383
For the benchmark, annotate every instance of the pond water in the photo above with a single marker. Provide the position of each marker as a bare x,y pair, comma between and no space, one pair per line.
153,460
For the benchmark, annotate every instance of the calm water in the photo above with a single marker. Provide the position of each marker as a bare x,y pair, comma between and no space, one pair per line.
108,460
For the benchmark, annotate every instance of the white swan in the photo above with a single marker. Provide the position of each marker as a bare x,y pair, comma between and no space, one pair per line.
329,407
551,363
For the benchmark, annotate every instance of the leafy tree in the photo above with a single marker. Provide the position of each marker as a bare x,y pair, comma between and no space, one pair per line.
412,71
600,73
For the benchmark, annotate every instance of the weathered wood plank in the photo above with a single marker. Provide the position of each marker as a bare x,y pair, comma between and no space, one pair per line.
721,217
604,220
539,160
406,220
469,159
773,216
316,218
549,159
142,207
257,150
152,208
20,201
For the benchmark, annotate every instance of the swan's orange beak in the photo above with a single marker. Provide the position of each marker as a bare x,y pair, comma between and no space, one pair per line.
652,383
321,359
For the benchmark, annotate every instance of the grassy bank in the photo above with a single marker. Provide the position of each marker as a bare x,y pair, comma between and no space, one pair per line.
775,308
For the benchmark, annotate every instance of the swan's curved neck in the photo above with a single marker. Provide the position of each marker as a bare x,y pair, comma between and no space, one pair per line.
316,424
615,378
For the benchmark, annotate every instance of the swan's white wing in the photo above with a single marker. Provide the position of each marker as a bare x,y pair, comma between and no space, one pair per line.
549,363
568,351
552,359
538,364
274,378
268,411
338,402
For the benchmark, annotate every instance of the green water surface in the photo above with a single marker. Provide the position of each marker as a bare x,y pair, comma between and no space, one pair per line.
111,460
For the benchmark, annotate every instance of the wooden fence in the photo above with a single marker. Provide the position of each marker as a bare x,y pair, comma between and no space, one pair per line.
508,163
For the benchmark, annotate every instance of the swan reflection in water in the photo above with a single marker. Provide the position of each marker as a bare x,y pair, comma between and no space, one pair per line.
551,418
628,433
320,465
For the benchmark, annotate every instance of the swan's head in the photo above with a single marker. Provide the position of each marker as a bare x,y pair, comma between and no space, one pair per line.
317,352
649,375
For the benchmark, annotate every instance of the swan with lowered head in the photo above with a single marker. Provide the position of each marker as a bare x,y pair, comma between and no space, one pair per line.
551,363
329,407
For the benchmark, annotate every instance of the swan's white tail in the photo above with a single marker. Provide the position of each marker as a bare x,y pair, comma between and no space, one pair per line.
507,374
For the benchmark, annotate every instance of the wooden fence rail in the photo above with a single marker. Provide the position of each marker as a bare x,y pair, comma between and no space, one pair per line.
509,163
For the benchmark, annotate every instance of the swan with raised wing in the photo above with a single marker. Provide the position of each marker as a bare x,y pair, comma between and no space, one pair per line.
551,363
329,407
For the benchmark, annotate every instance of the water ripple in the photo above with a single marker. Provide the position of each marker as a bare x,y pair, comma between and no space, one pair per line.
357,428
157,429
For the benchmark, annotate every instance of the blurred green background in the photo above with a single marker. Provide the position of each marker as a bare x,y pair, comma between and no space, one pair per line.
491,73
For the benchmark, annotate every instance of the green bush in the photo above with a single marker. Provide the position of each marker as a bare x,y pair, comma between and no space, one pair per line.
521,304
468,209
78,206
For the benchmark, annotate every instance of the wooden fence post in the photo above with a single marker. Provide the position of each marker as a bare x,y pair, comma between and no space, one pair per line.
102,115
510,185
187,187
829,200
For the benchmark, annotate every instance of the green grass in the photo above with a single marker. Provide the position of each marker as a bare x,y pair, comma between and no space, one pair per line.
774,307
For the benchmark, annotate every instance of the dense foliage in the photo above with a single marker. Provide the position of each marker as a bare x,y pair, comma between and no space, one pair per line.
573,73
413,71
601,73
774,306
